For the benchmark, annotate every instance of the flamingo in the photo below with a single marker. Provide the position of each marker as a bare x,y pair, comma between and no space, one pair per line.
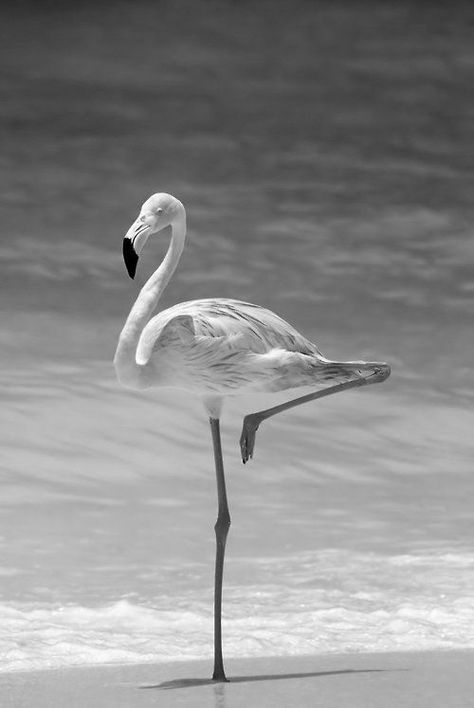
215,348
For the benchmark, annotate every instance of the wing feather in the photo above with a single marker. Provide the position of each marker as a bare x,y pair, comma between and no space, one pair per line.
177,331
241,325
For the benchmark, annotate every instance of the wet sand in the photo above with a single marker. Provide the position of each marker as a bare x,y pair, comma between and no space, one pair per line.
418,679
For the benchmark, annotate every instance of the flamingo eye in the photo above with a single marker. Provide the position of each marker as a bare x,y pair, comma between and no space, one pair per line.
159,211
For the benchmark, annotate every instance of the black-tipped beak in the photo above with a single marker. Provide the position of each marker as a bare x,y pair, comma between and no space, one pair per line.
129,256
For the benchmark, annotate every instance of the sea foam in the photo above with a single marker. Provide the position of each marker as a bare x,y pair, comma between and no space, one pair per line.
369,604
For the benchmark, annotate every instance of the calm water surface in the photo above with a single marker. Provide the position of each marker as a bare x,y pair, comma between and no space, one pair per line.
322,158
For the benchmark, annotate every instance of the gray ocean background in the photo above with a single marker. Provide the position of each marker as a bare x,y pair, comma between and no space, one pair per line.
322,150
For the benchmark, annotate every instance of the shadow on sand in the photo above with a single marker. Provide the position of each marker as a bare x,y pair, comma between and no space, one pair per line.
193,682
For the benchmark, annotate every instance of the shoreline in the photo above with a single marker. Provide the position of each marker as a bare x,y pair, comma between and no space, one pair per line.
434,679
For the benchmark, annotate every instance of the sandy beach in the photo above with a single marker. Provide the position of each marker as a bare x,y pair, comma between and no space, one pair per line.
418,679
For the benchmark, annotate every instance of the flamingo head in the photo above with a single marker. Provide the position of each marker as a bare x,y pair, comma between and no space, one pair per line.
159,211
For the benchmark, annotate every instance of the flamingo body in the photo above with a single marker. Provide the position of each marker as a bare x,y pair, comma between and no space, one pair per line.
229,347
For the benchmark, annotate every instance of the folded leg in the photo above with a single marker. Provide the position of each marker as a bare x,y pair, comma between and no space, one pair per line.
253,420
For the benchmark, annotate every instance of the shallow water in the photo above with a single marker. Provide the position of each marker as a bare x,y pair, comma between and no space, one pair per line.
321,155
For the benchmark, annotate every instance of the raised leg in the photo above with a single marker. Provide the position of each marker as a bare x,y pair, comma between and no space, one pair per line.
221,528
253,420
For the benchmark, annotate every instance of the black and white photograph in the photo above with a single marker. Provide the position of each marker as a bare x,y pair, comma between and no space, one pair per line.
216,215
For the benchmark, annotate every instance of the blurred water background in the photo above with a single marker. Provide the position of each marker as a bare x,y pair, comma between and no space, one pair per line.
322,152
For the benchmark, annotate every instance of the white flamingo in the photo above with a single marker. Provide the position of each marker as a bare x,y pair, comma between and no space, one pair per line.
216,348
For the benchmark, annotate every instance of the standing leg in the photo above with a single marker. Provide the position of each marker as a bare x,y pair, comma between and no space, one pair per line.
253,420
221,528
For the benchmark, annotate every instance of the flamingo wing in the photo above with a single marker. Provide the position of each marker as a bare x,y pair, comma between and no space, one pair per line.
177,331
242,324
261,330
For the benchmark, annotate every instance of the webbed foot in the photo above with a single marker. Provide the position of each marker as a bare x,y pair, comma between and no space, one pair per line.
247,438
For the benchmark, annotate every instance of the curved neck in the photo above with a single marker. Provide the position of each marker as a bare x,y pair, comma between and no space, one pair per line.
128,371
